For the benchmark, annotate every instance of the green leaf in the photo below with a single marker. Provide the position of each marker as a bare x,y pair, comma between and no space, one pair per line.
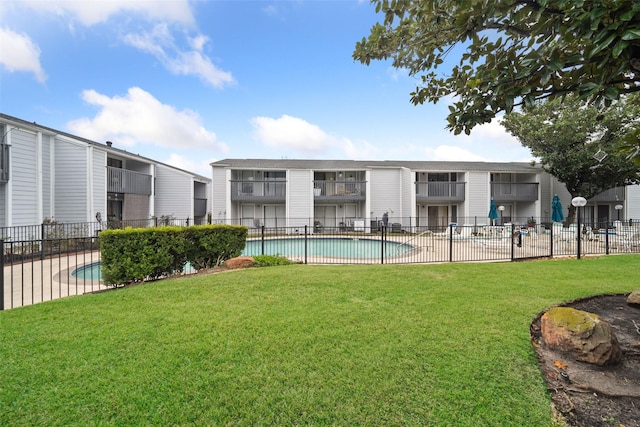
628,15
604,45
611,93
555,65
631,34
619,48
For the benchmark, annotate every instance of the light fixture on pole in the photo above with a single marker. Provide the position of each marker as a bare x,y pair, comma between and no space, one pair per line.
619,208
500,209
579,202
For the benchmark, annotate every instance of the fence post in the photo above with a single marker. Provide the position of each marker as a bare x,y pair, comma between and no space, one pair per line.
383,230
187,221
2,275
551,241
450,242
262,238
513,250
42,238
306,233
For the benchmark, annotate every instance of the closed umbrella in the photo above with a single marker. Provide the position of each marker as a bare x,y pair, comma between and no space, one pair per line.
493,211
556,209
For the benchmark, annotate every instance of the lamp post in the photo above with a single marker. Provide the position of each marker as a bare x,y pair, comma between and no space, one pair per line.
619,208
579,202
501,208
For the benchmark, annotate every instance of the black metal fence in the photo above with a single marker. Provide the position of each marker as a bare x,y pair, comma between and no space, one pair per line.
59,230
44,269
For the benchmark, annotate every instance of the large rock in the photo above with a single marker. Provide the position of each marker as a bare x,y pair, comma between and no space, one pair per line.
582,334
238,262
634,298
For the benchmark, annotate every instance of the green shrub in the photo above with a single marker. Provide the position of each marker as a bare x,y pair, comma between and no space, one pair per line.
134,255
211,245
271,260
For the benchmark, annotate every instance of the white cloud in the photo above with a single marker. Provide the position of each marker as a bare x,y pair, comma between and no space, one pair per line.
271,10
198,42
294,134
291,133
93,12
494,132
362,150
397,73
160,43
452,153
139,118
19,53
202,167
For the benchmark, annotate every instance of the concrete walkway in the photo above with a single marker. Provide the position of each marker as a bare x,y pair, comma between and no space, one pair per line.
31,282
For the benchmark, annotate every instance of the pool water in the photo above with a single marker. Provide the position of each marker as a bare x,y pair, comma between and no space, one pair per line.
89,271
94,271
331,247
325,247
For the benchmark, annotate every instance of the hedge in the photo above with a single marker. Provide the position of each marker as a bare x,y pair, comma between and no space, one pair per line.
138,254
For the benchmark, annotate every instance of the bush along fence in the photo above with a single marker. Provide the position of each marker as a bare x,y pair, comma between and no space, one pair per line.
41,270
134,255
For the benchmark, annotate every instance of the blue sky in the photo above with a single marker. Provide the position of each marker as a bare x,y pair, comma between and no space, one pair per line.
191,82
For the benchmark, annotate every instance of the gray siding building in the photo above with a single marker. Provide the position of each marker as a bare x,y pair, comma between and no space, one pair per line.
46,174
412,194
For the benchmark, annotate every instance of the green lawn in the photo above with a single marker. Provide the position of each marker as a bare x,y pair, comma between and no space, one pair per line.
437,345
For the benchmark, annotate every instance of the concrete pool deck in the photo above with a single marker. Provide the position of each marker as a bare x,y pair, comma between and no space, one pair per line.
38,281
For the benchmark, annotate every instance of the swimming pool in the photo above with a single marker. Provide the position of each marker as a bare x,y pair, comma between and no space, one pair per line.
91,271
327,247
330,247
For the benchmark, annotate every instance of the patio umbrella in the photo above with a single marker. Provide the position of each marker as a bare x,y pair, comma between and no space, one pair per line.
493,211
556,209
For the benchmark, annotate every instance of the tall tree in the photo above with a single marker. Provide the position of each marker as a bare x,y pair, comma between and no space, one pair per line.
514,52
570,139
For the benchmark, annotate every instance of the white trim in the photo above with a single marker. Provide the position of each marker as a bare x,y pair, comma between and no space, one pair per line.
52,176
90,204
9,193
39,201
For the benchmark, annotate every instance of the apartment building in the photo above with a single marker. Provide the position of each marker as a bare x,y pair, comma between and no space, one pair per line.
407,194
49,174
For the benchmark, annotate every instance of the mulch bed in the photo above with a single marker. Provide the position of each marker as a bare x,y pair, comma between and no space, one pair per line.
589,395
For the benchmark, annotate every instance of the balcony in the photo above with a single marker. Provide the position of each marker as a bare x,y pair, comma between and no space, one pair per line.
127,181
440,191
611,195
259,191
342,191
514,191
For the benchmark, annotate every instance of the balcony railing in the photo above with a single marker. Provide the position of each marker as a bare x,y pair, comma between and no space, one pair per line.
127,181
514,191
339,190
611,195
263,191
440,191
